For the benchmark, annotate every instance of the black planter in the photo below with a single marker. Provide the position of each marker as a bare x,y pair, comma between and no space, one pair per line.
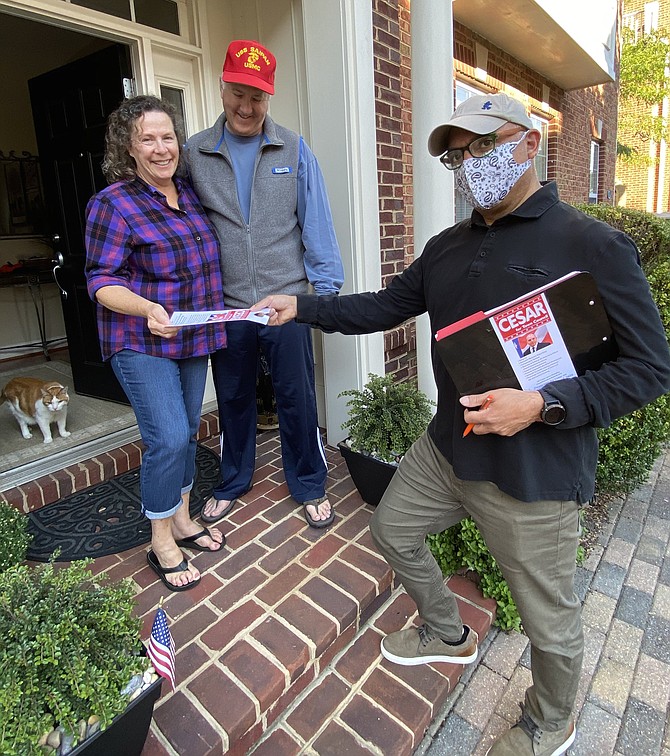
371,476
128,731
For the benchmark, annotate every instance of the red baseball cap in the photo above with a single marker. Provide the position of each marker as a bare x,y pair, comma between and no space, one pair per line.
248,62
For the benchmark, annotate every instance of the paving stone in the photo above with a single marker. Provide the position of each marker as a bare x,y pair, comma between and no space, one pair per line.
634,607
657,527
661,604
598,611
611,686
594,640
597,732
650,683
636,509
643,576
525,657
656,641
481,697
651,549
504,653
514,694
664,576
628,530
593,557
623,643
660,507
583,578
619,552
456,737
641,730
608,579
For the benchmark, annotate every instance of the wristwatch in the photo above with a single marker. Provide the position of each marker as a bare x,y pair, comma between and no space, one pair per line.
553,412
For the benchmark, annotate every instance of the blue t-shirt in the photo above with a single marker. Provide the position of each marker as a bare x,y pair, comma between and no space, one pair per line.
243,151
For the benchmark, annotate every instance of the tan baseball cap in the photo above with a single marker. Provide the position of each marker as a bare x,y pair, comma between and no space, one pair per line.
480,114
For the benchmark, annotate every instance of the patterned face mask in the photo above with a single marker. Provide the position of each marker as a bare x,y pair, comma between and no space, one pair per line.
485,182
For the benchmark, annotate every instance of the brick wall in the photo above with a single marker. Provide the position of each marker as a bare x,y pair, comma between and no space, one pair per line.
570,114
394,159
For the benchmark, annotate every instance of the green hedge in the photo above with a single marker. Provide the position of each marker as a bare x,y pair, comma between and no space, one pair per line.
628,448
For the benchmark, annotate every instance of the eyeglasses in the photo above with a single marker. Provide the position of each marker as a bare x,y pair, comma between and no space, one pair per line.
478,148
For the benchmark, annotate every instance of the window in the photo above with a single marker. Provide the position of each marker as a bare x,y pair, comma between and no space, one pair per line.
594,173
158,14
650,17
542,158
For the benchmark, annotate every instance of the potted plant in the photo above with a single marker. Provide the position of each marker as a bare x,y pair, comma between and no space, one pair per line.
385,418
72,675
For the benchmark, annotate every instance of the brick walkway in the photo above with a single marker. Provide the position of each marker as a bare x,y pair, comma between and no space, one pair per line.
278,647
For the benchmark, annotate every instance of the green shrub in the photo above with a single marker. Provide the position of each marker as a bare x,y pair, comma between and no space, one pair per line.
386,417
628,448
70,644
14,536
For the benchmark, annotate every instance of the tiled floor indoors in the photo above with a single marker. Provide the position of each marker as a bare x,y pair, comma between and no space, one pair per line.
278,647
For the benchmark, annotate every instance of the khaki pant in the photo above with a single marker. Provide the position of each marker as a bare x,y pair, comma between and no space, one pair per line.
534,544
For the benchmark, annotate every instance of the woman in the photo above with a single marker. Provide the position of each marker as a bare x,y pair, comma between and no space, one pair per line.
150,251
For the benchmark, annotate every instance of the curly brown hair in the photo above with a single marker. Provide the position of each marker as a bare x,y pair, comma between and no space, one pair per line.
118,165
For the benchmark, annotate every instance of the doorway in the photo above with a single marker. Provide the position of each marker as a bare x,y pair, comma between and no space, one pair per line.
34,340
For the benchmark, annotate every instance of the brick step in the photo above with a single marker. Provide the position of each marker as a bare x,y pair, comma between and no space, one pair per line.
362,704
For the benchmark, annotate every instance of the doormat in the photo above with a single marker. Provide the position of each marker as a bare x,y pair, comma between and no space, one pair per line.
107,518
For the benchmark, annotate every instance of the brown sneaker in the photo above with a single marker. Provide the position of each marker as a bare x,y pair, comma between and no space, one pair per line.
527,739
419,645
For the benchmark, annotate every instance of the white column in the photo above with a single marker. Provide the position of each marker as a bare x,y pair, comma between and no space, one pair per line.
432,104
339,69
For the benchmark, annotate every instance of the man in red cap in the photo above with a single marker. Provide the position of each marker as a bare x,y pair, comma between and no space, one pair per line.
264,192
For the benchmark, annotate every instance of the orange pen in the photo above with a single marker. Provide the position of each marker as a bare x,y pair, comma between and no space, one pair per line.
483,406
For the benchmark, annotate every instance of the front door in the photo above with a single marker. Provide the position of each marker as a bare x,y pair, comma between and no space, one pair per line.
70,109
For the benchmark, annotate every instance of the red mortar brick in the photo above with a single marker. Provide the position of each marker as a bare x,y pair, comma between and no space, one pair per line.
341,642
281,585
279,743
278,558
276,536
289,650
317,706
239,560
432,682
189,659
360,587
353,525
396,615
191,625
231,625
291,694
225,701
374,725
362,655
238,588
257,673
246,533
322,551
321,630
184,727
335,603
335,741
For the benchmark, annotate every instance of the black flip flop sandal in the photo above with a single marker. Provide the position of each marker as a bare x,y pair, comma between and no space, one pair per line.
163,571
317,523
190,541
209,519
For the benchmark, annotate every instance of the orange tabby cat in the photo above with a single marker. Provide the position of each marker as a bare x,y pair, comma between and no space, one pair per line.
36,402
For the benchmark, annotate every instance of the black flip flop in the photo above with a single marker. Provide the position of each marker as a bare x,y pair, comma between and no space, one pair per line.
163,571
190,541
209,519
318,523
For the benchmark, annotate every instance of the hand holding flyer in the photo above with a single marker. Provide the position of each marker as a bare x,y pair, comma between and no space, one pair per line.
219,316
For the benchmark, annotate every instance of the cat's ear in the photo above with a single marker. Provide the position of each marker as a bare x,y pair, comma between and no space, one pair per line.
65,389
44,391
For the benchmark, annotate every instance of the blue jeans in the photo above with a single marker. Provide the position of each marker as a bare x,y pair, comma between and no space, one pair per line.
166,396
288,350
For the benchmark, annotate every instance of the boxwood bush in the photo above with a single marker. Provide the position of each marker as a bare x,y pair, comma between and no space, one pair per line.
14,536
628,448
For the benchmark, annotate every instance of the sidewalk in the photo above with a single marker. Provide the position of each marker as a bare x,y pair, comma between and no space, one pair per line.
622,702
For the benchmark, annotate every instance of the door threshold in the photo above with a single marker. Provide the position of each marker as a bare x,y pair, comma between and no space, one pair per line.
54,462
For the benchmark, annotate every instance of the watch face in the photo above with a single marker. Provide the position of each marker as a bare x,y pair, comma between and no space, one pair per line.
554,414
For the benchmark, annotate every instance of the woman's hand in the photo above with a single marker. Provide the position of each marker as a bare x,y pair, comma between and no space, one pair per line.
158,321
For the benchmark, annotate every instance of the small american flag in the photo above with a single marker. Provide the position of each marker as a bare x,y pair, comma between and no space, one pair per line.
161,647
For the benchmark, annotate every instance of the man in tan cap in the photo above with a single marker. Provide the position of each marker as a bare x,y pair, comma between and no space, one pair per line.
530,463
264,192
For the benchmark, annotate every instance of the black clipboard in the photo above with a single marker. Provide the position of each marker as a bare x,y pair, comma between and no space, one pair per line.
476,361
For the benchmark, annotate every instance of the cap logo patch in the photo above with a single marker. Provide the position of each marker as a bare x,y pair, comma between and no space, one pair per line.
253,55
487,105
